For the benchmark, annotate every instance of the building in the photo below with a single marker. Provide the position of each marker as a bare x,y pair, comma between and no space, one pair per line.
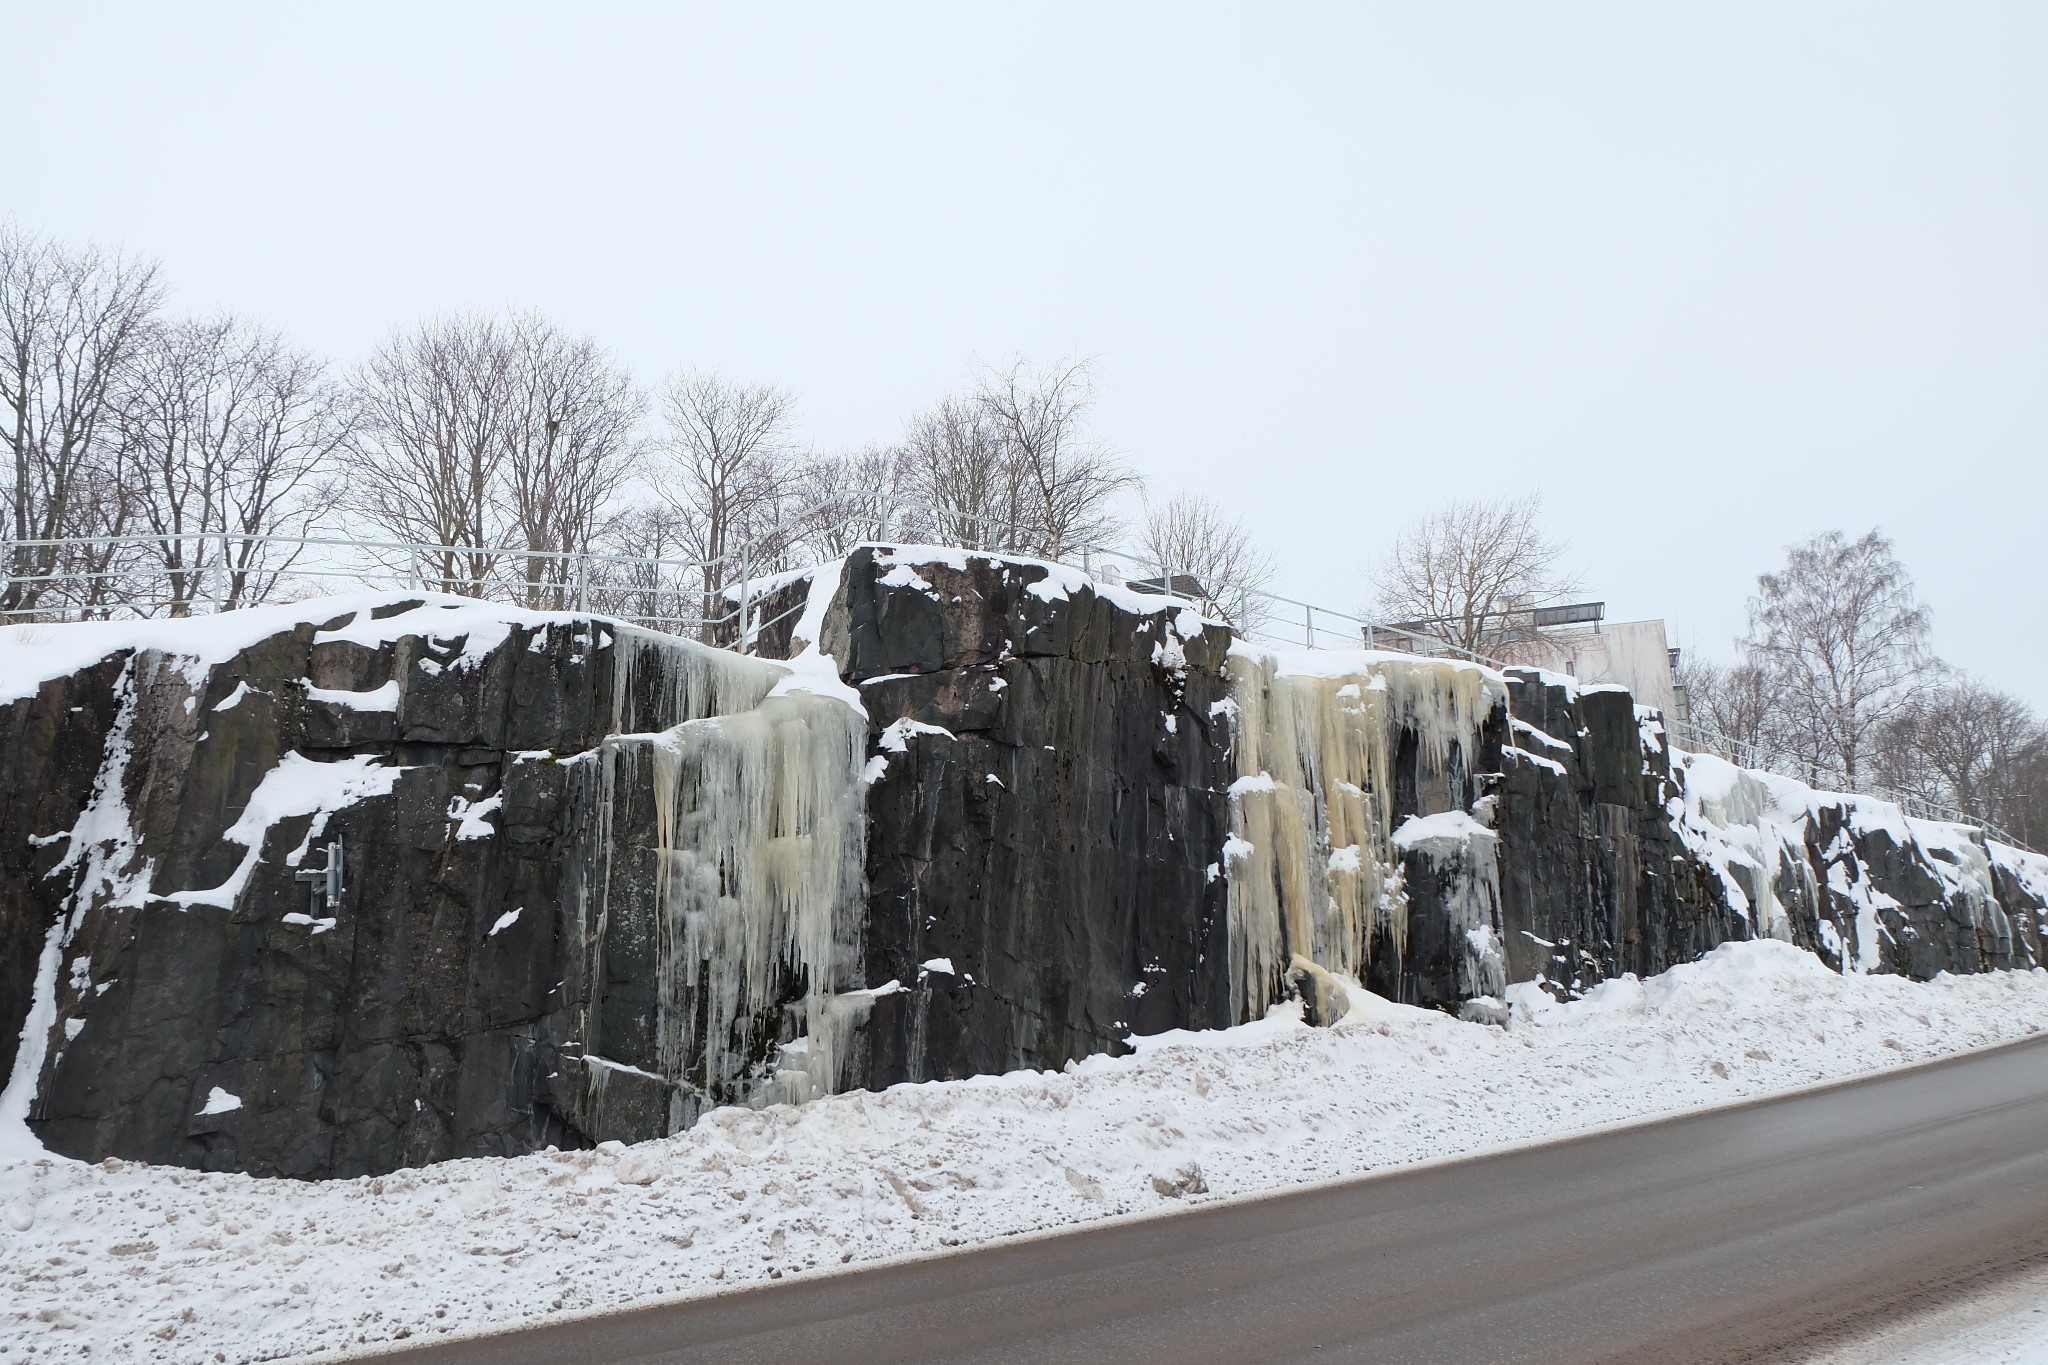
1636,654
1577,640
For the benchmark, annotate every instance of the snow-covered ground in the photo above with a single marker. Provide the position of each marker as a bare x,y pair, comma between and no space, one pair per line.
125,1262
2005,1325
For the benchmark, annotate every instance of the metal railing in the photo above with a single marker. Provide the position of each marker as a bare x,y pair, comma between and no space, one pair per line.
201,573
1270,619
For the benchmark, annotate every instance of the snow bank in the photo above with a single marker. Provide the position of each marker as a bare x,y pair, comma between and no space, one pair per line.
137,1263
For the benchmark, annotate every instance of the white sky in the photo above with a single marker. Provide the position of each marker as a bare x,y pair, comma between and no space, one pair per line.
1712,282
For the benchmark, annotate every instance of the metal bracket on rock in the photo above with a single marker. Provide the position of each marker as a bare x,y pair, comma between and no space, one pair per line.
323,883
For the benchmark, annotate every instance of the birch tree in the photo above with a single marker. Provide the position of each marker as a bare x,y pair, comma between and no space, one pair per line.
1841,631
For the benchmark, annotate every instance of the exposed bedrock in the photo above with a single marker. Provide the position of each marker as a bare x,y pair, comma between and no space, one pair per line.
597,880
1047,805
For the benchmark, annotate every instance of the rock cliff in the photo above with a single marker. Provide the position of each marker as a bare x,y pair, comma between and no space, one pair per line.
982,815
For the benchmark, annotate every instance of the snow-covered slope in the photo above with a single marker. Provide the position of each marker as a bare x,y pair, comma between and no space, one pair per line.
1788,855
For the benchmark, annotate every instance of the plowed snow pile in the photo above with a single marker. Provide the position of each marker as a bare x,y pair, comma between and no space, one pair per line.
128,1262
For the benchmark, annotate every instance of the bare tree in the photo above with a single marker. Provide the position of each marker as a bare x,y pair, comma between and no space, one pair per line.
1463,572
423,462
1190,534
1960,742
967,479
223,429
2026,811
660,585
102,572
728,456
846,500
1843,635
493,435
571,428
291,439
1070,482
1738,702
71,320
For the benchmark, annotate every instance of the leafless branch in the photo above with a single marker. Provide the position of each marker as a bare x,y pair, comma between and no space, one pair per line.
1464,571
1188,534
1842,635
71,322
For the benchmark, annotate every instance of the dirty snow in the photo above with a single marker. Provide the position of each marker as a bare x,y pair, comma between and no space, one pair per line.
132,1262
2004,1324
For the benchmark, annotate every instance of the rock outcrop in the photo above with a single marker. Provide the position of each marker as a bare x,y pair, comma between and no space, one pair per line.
983,815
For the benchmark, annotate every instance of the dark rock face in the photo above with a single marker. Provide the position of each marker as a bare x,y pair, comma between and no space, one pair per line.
1048,833
55,741
1864,897
425,1016
1603,872
1042,865
1595,881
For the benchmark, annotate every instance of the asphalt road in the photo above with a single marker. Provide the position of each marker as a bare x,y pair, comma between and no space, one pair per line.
1759,1233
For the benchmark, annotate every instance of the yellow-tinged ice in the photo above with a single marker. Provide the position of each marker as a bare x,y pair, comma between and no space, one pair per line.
1312,874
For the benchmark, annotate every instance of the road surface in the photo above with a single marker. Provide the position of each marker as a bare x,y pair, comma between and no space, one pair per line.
1759,1233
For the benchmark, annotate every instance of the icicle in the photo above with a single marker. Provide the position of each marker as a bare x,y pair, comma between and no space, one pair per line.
760,848
759,851
1313,875
662,680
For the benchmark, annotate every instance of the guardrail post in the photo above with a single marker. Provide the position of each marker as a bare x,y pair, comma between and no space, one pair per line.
1308,621
742,642
583,580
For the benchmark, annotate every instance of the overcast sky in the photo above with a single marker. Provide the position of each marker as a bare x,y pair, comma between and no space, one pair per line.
1710,282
